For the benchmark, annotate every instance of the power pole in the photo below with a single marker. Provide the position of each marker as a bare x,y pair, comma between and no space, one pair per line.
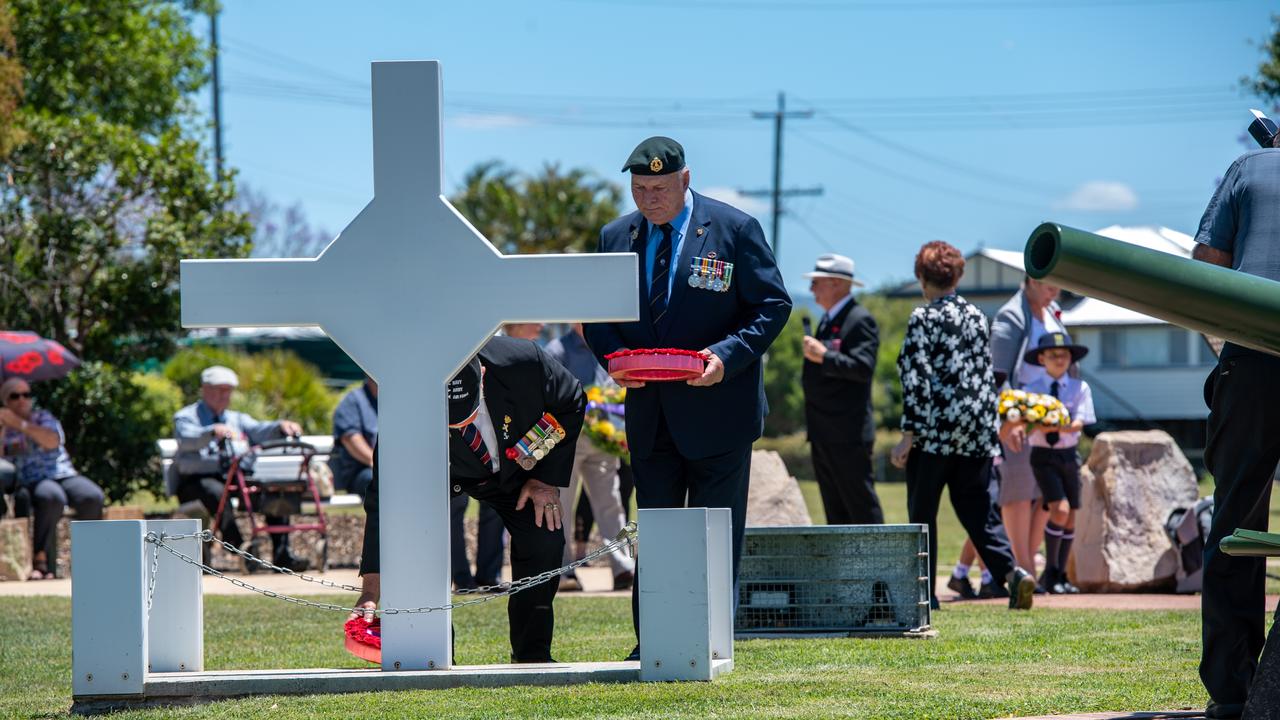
217,95
777,192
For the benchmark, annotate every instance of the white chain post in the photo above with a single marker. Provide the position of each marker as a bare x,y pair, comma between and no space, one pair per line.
108,608
686,619
175,622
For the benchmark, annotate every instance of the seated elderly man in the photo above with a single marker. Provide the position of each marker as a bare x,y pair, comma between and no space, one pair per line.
198,429
34,441
355,430
502,408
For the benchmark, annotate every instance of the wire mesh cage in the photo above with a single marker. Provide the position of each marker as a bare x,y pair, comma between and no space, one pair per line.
834,580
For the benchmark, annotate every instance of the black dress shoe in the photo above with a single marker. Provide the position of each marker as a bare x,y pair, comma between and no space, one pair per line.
464,584
991,590
1022,588
962,587
624,580
635,654
1224,711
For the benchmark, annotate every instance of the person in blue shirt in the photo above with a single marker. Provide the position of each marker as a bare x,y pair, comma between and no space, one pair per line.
355,431
708,282
198,428
33,439
1240,230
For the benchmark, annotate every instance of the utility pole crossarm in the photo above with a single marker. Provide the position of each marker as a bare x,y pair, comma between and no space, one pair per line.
778,116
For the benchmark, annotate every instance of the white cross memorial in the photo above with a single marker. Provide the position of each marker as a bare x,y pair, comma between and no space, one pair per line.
410,290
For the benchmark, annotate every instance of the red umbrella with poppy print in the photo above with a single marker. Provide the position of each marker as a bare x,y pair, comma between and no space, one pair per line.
31,357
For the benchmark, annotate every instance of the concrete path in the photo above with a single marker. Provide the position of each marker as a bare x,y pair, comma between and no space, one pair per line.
596,581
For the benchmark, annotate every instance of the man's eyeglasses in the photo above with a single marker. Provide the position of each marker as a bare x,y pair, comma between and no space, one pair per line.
28,395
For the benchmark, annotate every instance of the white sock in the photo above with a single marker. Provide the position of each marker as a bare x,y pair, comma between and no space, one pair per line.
986,576
961,571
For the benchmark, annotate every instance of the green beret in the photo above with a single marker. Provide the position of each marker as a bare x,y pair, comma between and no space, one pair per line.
656,156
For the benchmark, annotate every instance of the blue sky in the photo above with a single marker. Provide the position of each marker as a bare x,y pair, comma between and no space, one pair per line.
969,121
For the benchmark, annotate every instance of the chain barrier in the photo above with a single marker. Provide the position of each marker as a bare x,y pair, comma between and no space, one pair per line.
624,540
151,584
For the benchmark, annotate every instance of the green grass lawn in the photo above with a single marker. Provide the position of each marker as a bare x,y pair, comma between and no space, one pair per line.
987,662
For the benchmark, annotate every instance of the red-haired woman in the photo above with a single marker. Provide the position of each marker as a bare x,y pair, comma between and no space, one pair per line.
949,423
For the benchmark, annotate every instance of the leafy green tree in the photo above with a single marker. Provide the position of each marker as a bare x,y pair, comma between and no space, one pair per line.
891,316
782,368
103,188
109,187
553,211
1267,82
10,81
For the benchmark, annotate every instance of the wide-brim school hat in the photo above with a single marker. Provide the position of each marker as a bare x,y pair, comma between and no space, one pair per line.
1049,341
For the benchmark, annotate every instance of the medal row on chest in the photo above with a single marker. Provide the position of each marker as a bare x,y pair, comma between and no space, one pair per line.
707,273
536,443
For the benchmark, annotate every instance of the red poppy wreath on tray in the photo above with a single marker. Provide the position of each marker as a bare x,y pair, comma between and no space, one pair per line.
364,638
656,365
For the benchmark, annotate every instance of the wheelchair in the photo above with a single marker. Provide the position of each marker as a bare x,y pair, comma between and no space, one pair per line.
260,491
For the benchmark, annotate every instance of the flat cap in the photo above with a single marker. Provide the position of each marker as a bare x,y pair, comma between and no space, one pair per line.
219,375
656,156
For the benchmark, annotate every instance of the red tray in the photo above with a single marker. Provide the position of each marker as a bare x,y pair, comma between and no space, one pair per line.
663,365
364,639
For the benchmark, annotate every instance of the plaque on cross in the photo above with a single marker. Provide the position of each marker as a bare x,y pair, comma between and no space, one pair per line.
410,290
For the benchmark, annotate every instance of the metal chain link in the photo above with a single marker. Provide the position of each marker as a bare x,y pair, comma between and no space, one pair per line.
151,584
625,539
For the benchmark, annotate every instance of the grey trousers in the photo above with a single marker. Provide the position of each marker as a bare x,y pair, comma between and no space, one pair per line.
597,472
49,498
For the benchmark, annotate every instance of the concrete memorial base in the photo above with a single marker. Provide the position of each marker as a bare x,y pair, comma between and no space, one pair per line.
126,654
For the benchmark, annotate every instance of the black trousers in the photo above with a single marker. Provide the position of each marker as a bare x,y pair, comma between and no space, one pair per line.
969,481
534,550
208,490
1242,451
847,483
665,479
488,544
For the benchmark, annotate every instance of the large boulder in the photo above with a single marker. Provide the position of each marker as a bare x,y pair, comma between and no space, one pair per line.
775,497
1133,480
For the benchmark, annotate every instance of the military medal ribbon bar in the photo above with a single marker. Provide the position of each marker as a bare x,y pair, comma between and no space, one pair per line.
537,442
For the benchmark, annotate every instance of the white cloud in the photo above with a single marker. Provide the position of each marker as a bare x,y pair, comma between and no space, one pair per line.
747,204
489,121
1100,196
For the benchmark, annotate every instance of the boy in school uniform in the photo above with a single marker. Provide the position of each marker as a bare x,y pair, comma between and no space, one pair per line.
1054,459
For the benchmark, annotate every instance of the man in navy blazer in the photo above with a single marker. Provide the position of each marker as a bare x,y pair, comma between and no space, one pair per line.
708,282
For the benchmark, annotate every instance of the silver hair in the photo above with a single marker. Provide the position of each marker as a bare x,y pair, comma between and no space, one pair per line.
8,385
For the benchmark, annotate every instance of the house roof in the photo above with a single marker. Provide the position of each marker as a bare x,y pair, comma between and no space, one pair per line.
1091,311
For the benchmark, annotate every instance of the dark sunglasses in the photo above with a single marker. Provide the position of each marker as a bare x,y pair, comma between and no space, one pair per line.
28,395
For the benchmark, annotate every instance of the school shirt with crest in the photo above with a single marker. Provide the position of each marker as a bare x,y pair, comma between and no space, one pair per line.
1078,399
948,387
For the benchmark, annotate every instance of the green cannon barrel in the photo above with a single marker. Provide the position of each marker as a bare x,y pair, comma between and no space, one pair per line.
1243,309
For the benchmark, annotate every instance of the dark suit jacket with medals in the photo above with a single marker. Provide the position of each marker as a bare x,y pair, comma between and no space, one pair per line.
737,325
522,382
837,392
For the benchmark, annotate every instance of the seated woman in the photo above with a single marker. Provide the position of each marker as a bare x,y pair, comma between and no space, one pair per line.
33,440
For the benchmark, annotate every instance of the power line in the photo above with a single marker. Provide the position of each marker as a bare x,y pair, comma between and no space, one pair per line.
916,181
777,192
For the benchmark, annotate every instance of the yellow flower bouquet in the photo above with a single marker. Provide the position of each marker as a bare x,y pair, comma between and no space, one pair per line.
1046,411
605,423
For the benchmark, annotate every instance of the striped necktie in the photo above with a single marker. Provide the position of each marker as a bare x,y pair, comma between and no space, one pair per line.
471,436
661,267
